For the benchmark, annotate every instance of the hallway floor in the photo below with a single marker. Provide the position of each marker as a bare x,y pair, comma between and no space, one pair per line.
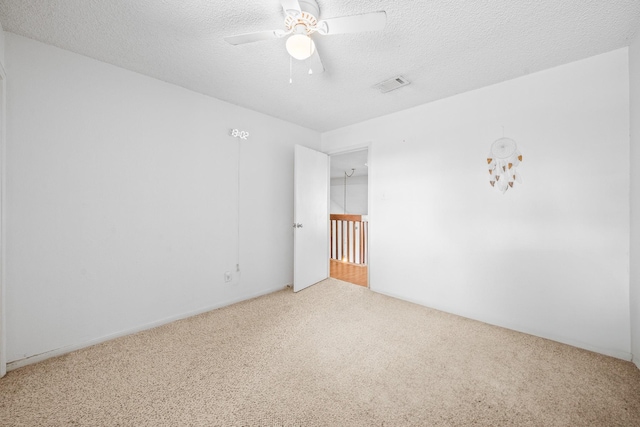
352,273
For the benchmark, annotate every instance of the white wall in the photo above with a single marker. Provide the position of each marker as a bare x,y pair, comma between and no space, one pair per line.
2,48
122,200
357,195
550,257
3,362
634,73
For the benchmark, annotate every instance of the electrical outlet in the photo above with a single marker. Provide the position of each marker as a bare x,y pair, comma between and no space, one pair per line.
227,276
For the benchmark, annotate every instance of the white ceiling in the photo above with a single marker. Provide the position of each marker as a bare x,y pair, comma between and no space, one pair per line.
443,47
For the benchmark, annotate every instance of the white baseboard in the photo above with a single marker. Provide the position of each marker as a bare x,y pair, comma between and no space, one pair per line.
607,352
68,349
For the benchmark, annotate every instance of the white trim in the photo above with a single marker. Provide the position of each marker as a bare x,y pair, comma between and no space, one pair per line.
562,340
350,149
3,180
328,229
68,349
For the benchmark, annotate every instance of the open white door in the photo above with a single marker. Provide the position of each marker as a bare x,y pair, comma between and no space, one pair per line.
311,218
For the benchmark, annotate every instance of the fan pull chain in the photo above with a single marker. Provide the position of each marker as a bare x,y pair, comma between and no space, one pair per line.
290,70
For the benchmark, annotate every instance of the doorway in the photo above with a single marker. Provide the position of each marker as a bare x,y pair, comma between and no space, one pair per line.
349,215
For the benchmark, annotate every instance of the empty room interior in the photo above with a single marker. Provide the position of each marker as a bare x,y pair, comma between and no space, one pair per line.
179,181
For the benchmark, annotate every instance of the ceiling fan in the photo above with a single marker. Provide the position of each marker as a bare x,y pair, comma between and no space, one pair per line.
301,22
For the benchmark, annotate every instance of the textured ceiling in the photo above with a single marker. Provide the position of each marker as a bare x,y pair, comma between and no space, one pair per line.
443,47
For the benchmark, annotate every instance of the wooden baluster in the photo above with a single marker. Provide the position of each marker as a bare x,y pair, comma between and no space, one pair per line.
361,242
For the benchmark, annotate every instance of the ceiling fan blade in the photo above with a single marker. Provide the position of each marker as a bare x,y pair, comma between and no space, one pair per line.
315,63
255,37
353,24
291,7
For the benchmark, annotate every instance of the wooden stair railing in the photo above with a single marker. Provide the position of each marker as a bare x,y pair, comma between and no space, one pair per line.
349,238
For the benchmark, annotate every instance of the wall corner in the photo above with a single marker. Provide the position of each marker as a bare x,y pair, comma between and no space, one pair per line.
634,196
3,347
2,42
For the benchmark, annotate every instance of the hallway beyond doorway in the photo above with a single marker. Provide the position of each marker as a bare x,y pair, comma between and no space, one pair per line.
347,272
349,216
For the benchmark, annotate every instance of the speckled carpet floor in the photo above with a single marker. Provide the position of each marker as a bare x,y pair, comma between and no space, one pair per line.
332,355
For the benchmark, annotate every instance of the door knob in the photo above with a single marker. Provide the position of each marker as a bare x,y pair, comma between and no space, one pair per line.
297,225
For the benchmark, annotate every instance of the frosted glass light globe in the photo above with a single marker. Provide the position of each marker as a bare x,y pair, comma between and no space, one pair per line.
300,46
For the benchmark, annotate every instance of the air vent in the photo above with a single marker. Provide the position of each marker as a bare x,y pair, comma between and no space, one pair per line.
391,84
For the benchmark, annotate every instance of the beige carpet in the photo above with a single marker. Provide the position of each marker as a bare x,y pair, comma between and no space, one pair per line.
332,355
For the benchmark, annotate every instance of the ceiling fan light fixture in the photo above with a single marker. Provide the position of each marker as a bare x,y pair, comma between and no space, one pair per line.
300,46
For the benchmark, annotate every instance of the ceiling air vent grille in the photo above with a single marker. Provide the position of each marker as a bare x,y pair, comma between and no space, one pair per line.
391,84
